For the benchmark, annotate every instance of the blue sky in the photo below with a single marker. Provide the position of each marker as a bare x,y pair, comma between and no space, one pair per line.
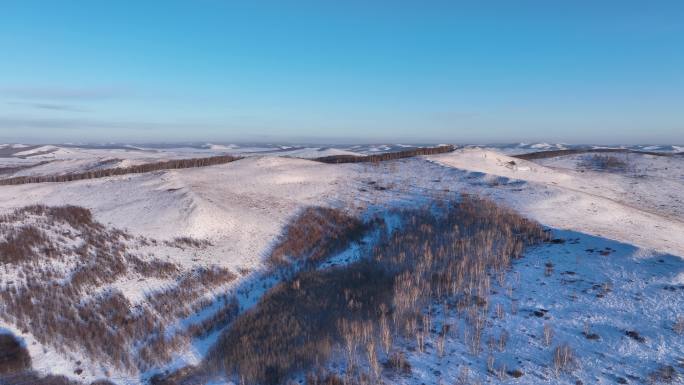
352,71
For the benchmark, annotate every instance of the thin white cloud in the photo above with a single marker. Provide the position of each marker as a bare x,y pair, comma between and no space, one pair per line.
48,106
63,93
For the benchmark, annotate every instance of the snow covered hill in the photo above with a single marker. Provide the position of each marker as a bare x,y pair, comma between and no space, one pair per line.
648,212
231,215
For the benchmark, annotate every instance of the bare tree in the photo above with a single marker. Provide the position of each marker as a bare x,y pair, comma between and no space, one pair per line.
548,334
563,359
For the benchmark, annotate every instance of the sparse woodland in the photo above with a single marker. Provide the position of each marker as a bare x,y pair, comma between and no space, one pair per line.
443,254
314,234
63,262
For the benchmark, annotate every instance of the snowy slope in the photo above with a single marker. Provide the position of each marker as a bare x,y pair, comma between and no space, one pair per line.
647,213
590,292
241,207
238,206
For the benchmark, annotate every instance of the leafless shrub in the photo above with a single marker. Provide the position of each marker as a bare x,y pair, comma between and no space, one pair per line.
324,378
563,359
441,340
371,354
431,257
514,306
420,340
678,325
503,340
315,233
397,362
24,244
385,332
490,363
219,320
548,269
499,311
548,334
174,302
183,242
159,348
463,376
153,268
588,333
290,328
665,374
188,375
32,378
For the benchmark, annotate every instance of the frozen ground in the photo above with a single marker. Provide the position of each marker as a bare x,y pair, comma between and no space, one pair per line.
240,208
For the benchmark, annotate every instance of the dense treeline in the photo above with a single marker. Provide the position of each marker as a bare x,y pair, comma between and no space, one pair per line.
445,253
555,153
148,167
314,234
386,156
294,325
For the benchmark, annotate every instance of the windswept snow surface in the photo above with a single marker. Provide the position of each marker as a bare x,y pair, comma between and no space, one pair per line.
242,206
647,212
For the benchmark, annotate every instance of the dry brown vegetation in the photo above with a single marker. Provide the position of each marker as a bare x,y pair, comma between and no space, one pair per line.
397,362
148,167
183,242
678,325
32,378
564,359
63,262
293,325
314,234
223,317
386,156
440,253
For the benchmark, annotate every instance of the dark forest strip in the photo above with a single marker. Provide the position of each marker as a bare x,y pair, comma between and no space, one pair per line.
555,153
386,156
148,167
11,170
